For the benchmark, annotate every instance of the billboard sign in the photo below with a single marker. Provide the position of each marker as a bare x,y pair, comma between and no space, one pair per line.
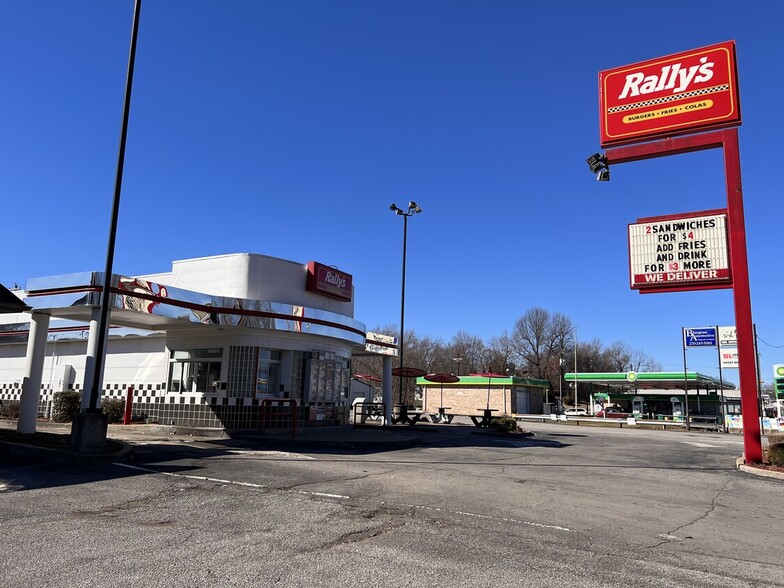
699,337
381,344
729,357
679,251
728,336
673,95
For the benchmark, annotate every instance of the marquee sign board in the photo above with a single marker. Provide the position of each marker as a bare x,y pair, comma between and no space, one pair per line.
681,93
679,251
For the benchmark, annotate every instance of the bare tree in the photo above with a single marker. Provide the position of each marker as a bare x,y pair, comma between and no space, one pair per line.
618,357
470,348
539,340
501,355
640,361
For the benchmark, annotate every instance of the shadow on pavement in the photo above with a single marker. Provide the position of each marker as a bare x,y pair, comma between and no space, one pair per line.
50,463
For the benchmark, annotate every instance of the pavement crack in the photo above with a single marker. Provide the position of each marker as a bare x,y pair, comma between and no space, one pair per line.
359,536
673,536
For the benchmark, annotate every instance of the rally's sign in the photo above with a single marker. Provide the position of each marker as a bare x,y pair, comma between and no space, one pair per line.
679,251
673,95
329,281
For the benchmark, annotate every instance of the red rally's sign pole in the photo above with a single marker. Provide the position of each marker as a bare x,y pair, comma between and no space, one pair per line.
728,141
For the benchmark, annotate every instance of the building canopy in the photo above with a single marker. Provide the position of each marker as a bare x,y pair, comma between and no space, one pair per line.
480,381
9,303
651,380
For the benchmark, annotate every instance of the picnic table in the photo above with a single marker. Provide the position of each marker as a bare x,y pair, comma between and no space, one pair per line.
406,415
486,419
442,416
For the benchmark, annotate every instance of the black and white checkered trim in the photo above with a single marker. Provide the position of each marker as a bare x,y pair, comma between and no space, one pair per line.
665,99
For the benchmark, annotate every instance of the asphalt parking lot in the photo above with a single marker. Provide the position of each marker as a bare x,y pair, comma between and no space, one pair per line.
572,506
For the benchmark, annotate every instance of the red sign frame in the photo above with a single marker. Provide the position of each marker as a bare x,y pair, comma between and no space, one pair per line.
699,279
329,281
673,95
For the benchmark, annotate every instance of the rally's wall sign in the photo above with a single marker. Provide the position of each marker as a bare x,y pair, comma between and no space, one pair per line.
329,281
673,95
679,251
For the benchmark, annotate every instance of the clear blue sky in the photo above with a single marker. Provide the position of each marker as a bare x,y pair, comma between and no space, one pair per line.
288,128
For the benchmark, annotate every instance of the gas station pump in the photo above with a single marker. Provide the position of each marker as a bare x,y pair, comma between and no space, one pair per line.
677,407
638,407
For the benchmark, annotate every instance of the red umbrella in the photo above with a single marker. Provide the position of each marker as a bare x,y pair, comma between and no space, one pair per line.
490,376
368,377
440,377
408,372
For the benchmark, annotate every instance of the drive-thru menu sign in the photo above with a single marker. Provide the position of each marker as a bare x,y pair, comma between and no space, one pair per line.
679,251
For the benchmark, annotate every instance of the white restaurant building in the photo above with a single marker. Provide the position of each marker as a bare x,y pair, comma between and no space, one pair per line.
215,342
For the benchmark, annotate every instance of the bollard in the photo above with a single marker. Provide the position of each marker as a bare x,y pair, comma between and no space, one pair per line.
128,406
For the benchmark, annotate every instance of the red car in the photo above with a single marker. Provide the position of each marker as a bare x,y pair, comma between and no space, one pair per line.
614,412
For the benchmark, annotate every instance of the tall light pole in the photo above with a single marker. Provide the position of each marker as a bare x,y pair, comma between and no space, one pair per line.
560,382
457,359
84,432
575,369
413,209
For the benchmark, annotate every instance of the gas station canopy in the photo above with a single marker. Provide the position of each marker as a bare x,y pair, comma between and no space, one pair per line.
651,380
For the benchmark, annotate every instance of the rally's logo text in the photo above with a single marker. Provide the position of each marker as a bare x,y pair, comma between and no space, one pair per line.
672,77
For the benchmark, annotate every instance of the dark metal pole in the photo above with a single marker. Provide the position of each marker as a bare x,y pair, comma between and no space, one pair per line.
95,391
402,308
721,379
759,381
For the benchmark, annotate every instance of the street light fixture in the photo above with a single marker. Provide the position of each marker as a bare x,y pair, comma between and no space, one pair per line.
413,209
457,359
599,166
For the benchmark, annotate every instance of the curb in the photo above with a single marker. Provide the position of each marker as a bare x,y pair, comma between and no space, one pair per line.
170,430
742,466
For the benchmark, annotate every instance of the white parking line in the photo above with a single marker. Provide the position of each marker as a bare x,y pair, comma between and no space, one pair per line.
227,482
344,497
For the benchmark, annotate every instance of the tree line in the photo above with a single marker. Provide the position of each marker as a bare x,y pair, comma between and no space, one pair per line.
540,345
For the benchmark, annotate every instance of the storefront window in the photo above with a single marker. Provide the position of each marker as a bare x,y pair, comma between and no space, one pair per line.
327,377
268,379
253,372
195,370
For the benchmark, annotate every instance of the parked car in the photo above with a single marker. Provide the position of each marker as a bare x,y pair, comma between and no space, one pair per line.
614,412
576,412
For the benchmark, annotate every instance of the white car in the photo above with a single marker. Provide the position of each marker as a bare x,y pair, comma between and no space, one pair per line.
576,412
